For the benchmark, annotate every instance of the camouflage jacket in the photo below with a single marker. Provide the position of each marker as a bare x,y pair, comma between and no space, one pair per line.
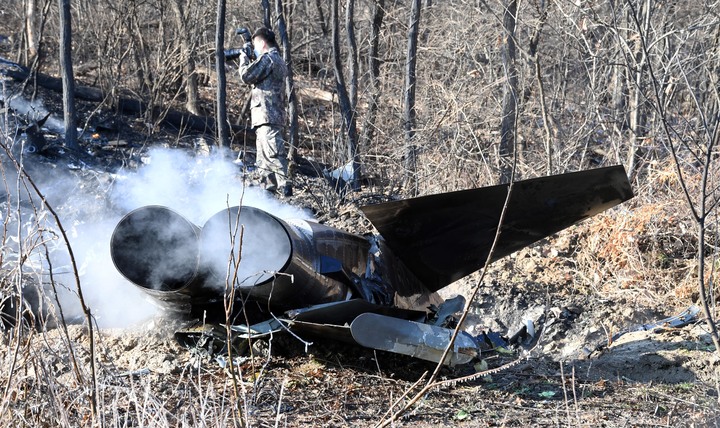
267,77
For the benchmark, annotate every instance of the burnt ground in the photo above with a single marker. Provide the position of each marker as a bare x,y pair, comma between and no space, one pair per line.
574,376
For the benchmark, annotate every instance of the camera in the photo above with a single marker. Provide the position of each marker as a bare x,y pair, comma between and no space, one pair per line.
232,54
244,33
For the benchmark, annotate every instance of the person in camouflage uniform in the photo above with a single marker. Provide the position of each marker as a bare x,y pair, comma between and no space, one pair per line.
267,75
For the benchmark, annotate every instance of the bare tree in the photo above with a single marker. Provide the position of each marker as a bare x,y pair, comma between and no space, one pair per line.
321,17
30,35
637,63
410,152
223,130
695,154
289,87
352,53
37,38
141,50
192,97
548,122
346,110
508,125
267,21
378,15
68,80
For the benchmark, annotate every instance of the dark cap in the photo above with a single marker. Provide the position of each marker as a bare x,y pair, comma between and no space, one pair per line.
265,34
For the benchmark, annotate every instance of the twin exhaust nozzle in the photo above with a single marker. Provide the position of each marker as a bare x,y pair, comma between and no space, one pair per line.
242,247
162,252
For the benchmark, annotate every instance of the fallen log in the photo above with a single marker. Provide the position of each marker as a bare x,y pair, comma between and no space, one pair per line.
126,105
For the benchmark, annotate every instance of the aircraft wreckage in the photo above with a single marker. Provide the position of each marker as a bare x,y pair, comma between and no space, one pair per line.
377,291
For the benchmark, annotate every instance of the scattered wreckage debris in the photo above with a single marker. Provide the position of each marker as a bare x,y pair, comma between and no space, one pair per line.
313,280
687,317
684,318
413,338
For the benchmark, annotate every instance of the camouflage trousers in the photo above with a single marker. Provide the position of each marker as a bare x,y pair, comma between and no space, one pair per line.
271,160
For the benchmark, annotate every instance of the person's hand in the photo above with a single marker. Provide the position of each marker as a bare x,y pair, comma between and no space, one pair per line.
249,51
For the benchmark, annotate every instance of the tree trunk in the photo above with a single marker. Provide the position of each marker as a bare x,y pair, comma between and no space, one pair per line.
638,116
547,119
321,17
223,133
509,102
702,285
39,55
141,56
68,81
187,53
352,52
267,21
293,133
288,17
374,67
548,125
344,99
30,35
410,153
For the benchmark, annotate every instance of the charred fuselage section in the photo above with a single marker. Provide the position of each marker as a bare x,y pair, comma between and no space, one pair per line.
323,279
256,256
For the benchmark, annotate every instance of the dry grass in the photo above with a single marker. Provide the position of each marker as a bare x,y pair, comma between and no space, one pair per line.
643,252
150,381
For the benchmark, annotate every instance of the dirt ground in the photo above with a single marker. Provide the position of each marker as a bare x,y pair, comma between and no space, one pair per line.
663,378
575,375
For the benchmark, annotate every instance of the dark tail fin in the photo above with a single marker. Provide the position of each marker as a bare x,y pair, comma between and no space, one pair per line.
445,237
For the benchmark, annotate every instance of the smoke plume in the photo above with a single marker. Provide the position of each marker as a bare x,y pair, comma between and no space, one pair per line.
92,203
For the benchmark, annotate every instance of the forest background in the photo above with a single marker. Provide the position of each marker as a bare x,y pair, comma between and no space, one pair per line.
425,97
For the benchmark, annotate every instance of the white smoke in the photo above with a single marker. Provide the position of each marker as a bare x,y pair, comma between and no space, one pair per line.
261,247
34,110
196,187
